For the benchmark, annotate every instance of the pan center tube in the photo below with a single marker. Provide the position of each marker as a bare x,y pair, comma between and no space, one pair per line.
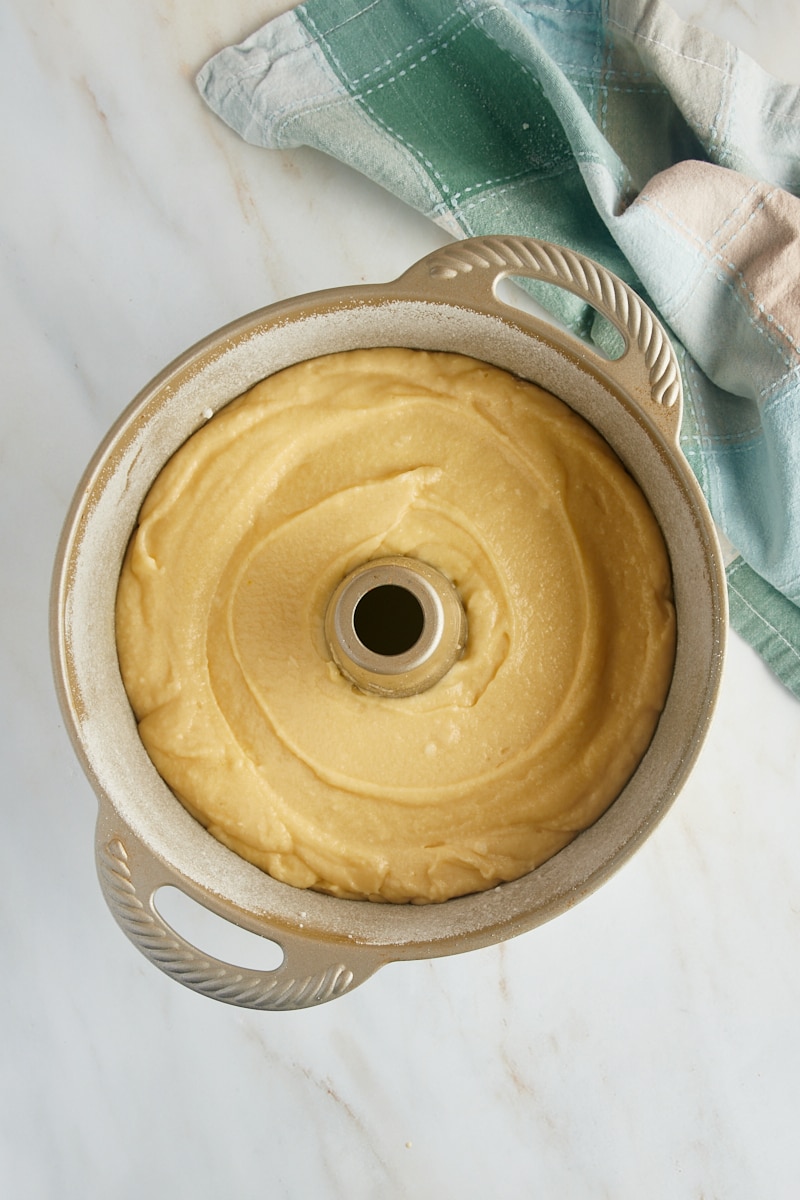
395,626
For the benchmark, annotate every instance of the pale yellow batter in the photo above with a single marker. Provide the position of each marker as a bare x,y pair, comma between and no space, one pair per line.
526,740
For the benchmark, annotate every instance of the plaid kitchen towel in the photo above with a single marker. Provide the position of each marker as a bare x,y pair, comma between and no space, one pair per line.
612,127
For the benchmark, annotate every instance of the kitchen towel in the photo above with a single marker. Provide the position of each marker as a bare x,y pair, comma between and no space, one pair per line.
614,128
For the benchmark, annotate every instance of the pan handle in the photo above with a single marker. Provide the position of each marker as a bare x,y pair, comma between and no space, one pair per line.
470,270
311,972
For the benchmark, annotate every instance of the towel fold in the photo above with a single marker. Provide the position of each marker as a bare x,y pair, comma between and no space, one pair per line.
611,127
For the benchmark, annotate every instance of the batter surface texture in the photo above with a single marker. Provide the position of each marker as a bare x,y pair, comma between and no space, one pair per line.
528,738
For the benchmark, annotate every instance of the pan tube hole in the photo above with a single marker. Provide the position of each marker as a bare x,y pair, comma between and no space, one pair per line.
395,626
388,619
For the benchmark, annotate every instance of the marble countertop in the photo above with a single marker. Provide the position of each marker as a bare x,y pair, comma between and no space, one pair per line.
645,1044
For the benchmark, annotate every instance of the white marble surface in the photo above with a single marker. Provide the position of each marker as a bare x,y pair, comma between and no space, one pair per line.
645,1045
